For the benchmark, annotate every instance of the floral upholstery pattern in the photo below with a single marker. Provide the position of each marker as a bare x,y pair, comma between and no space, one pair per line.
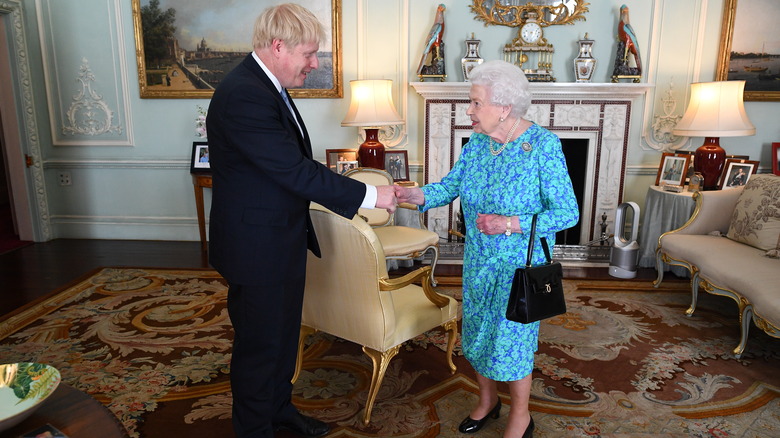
756,218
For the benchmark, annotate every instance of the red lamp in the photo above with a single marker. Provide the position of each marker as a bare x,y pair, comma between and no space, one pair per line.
371,107
716,109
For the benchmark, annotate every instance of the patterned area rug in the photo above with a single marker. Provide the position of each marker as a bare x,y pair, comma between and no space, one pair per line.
154,346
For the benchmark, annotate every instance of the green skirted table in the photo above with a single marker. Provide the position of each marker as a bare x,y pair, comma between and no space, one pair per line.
664,211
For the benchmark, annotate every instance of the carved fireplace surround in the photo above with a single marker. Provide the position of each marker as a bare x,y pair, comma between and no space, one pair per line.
599,113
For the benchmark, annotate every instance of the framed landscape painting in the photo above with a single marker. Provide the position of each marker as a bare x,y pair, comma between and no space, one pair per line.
185,48
749,47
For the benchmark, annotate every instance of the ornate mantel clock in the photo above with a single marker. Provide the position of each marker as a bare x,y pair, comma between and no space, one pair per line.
530,50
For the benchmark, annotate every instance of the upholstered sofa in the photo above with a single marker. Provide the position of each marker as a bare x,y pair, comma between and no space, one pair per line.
730,245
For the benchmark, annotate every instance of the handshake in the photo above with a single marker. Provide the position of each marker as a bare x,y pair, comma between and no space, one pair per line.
388,197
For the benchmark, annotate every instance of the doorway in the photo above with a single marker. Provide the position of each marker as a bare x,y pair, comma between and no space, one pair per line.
15,208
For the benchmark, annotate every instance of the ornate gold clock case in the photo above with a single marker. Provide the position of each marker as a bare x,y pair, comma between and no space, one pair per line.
530,50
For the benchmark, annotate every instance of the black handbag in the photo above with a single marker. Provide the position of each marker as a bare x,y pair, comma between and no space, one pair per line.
537,291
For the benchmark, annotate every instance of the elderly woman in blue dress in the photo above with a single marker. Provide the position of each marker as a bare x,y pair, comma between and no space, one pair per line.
509,170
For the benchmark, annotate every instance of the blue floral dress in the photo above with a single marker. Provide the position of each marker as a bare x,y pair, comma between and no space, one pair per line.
516,182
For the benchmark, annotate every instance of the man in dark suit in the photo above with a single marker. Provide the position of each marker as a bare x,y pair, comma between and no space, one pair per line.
264,178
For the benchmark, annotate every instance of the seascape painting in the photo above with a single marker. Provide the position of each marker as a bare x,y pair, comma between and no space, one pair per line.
750,47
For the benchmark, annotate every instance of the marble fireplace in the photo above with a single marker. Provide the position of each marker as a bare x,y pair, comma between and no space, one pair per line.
597,116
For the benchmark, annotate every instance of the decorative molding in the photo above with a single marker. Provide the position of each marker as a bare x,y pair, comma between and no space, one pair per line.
118,164
393,137
127,227
88,113
661,137
26,110
656,129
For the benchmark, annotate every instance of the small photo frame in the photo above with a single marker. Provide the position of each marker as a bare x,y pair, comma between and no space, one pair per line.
343,166
397,165
776,158
200,158
673,169
736,173
340,160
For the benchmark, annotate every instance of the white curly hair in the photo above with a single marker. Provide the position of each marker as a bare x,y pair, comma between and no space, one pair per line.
507,84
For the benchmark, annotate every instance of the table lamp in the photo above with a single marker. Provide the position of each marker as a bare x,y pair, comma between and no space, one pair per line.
371,107
716,109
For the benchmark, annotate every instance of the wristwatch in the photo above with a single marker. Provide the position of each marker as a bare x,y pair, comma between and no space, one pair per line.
508,231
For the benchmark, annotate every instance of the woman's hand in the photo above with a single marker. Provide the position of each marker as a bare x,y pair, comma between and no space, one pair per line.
496,224
409,195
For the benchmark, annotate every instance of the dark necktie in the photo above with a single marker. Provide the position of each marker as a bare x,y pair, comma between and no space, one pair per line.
289,106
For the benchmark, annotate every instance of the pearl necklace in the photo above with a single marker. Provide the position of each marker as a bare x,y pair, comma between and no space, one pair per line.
506,142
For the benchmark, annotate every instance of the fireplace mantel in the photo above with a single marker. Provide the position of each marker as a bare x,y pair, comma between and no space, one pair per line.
459,90
598,112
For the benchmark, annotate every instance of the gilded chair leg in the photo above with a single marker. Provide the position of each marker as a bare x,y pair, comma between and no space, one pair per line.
452,336
694,293
659,267
380,361
433,264
745,316
305,332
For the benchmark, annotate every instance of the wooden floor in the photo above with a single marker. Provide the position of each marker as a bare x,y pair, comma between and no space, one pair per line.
31,272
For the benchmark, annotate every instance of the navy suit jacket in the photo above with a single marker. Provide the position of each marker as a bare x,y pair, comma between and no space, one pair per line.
264,178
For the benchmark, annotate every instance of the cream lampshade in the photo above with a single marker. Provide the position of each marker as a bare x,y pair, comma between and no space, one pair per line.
371,107
716,109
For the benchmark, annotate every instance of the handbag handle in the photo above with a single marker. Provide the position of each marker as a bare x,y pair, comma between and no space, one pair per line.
531,240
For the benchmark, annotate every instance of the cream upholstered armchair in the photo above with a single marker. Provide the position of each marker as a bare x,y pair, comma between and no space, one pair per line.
349,295
399,242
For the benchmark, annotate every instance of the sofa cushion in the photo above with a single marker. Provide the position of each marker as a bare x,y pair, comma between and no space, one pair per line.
720,260
760,288
756,217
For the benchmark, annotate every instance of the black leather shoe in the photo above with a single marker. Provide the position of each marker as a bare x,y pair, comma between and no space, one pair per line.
470,425
529,431
305,426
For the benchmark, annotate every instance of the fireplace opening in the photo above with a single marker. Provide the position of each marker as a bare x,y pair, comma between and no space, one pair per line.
576,152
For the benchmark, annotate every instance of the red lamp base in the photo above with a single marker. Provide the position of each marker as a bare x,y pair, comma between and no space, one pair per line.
372,153
708,159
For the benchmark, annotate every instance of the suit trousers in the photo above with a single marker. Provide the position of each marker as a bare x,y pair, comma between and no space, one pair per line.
266,319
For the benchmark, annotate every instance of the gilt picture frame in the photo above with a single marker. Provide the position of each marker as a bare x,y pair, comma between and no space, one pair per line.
744,53
673,169
196,46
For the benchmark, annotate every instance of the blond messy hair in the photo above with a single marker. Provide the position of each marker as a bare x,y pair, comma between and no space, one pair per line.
288,22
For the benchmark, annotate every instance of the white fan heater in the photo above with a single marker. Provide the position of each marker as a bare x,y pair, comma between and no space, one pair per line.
625,251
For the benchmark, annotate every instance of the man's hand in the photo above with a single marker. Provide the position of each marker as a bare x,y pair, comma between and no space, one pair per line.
410,195
385,198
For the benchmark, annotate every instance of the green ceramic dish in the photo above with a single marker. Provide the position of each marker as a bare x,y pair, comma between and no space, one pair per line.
23,387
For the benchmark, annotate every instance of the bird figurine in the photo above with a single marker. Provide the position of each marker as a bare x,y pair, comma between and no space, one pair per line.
434,48
627,36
